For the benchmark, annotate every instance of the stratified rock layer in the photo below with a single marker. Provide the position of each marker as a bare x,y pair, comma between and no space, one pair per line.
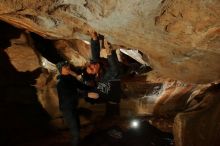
181,38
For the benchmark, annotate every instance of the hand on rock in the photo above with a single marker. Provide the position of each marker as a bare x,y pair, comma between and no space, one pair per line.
93,34
108,48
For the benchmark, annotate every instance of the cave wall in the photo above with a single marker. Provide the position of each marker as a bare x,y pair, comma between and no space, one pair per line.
199,124
22,116
181,38
22,56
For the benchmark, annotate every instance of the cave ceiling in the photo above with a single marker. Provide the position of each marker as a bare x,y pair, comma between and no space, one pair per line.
180,38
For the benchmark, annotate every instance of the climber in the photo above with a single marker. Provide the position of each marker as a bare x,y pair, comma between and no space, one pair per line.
106,74
68,98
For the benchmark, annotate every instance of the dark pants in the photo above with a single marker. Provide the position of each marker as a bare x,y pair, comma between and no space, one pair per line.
112,101
71,117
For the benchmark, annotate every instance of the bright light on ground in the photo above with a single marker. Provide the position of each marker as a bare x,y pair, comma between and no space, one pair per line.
135,123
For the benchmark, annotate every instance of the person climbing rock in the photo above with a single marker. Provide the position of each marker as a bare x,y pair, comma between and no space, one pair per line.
106,73
67,88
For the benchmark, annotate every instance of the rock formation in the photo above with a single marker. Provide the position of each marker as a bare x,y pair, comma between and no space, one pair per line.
180,39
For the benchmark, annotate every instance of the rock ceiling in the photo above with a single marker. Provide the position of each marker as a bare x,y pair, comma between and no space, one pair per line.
180,38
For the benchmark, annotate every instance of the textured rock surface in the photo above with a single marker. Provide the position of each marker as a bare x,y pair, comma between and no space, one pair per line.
181,38
47,93
22,56
199,124
76,51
